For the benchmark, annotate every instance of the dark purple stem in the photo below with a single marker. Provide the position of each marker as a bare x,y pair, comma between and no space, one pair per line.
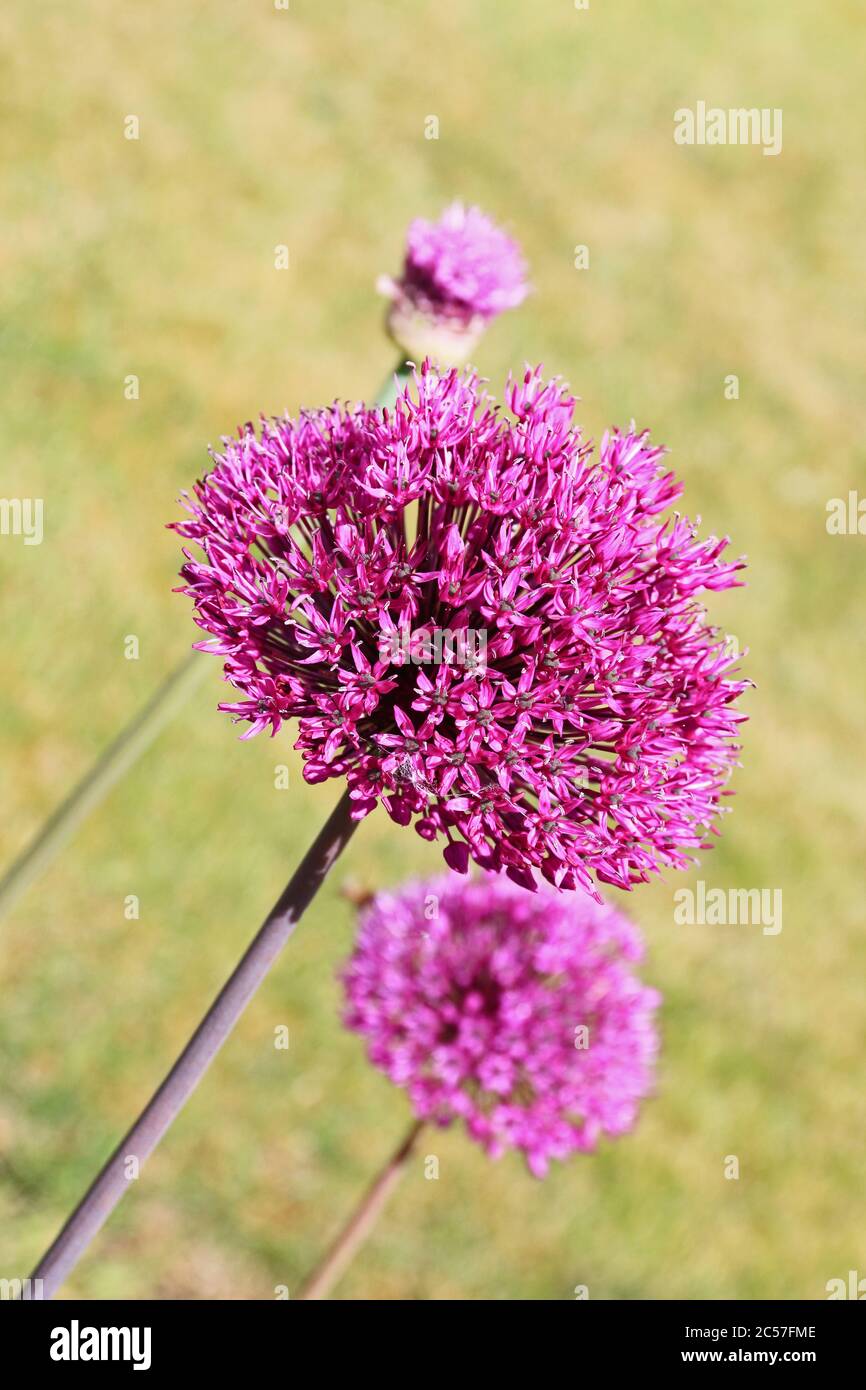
104,1194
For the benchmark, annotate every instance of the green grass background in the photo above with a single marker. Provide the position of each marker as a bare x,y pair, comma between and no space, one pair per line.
156,257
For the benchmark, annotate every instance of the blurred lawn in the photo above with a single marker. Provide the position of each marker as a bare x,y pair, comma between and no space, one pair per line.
156,257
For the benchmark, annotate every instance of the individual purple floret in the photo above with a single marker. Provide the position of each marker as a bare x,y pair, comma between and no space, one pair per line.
517,1013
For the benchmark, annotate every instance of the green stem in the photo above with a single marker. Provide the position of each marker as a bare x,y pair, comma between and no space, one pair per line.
109,767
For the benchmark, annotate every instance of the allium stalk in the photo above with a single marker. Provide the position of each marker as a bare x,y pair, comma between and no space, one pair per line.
352,1236
120,755
167,1102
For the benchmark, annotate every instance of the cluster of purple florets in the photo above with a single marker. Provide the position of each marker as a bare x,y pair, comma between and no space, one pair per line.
517,1013
598,732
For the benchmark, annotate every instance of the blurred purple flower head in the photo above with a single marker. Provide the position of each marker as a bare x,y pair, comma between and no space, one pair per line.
577,718
459,273
515,1012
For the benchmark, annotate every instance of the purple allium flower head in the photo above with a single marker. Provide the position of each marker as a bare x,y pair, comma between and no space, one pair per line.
518,1013
459,273
476,624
